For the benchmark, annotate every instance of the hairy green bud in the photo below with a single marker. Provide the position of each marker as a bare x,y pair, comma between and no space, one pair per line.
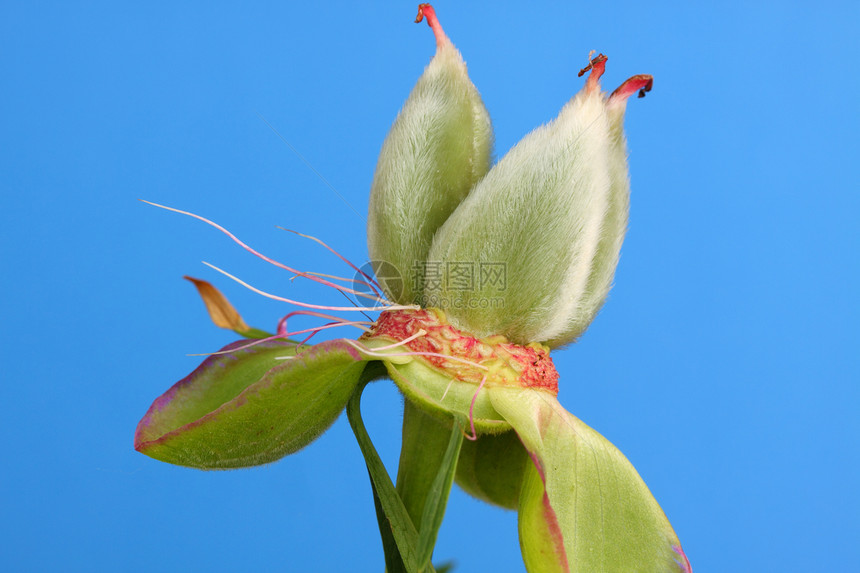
438,148
551,215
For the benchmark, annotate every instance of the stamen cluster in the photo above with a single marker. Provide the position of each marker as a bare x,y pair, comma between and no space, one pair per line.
465,357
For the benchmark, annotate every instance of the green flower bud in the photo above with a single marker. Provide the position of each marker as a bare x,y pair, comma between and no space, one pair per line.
438,148
551,216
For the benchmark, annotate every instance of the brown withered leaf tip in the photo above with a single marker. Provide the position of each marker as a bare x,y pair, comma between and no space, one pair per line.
222,313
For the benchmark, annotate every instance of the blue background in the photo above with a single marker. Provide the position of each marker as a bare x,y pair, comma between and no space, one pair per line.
725,364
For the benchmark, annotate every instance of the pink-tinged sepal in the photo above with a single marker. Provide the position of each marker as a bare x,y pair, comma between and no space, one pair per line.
682,560
582,507
250,404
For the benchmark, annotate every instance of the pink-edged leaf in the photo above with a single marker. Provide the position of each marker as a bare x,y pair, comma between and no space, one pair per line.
250,406
583,506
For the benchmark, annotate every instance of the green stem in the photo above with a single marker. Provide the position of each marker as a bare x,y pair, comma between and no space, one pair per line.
425,440
409,515
399,535
437,497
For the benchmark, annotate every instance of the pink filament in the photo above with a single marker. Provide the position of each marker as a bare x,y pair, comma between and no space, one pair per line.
362,348
344,279
306,304
474,435
344,259
285,335
258,254
282,324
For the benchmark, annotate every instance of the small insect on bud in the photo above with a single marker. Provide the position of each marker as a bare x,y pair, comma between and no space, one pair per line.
551,215
438,148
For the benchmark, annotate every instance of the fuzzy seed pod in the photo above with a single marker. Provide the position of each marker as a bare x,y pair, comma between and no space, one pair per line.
550,216
438,148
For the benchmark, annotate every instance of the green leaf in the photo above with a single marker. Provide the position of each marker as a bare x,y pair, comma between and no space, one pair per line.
246,407
402,529
583,507
437,498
